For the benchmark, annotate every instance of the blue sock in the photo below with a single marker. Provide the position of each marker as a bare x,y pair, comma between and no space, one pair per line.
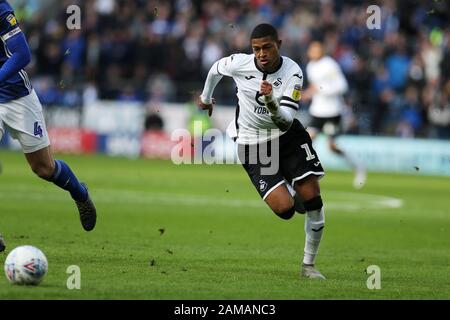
64,178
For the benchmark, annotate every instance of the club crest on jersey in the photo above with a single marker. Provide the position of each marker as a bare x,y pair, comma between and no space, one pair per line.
297,93
278,83
11,20
262,185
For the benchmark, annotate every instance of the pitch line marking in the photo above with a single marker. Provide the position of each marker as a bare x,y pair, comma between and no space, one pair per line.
334,200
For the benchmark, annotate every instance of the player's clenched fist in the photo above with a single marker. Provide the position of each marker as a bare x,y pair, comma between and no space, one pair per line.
266,88
206,106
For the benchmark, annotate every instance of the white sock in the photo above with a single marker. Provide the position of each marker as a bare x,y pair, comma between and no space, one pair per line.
314,220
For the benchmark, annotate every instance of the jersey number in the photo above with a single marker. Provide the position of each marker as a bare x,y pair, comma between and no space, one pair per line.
309,155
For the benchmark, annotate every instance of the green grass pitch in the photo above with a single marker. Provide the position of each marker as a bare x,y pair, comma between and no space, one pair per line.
202,232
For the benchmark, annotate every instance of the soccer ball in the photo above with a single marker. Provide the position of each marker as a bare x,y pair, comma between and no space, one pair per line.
26,265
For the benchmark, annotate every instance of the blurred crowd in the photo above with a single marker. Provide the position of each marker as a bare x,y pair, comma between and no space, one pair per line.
160,51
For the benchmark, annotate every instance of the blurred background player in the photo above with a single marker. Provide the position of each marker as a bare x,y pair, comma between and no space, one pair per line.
268,91
21,114
327,85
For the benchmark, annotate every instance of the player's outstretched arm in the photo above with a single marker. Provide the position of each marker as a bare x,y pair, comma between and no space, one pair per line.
282,117
206,102
20,56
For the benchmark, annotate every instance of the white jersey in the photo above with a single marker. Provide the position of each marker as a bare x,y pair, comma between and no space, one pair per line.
252,121
326,75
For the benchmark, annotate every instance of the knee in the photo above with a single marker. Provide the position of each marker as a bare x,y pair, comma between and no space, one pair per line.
284,211
43,171
313,204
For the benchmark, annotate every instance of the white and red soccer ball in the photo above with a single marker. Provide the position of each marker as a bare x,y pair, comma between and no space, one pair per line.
26,265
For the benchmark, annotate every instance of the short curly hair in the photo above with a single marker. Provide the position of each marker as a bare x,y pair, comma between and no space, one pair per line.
264,30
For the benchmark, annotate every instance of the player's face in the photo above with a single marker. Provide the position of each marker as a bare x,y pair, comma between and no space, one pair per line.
267,53
315,51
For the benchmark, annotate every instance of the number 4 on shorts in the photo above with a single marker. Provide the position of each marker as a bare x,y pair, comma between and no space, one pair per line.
37,129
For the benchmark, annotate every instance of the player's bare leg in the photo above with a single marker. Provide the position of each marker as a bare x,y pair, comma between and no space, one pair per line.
281,202
298,201
42,163
44,166
360,172
360,177
309,191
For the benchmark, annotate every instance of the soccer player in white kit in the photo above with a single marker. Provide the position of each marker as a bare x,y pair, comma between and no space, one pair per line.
269,90
327,86
21,114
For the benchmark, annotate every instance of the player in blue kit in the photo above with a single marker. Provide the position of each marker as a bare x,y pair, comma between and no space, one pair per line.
21,114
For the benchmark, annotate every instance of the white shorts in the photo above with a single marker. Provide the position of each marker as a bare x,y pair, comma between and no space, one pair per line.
24,120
